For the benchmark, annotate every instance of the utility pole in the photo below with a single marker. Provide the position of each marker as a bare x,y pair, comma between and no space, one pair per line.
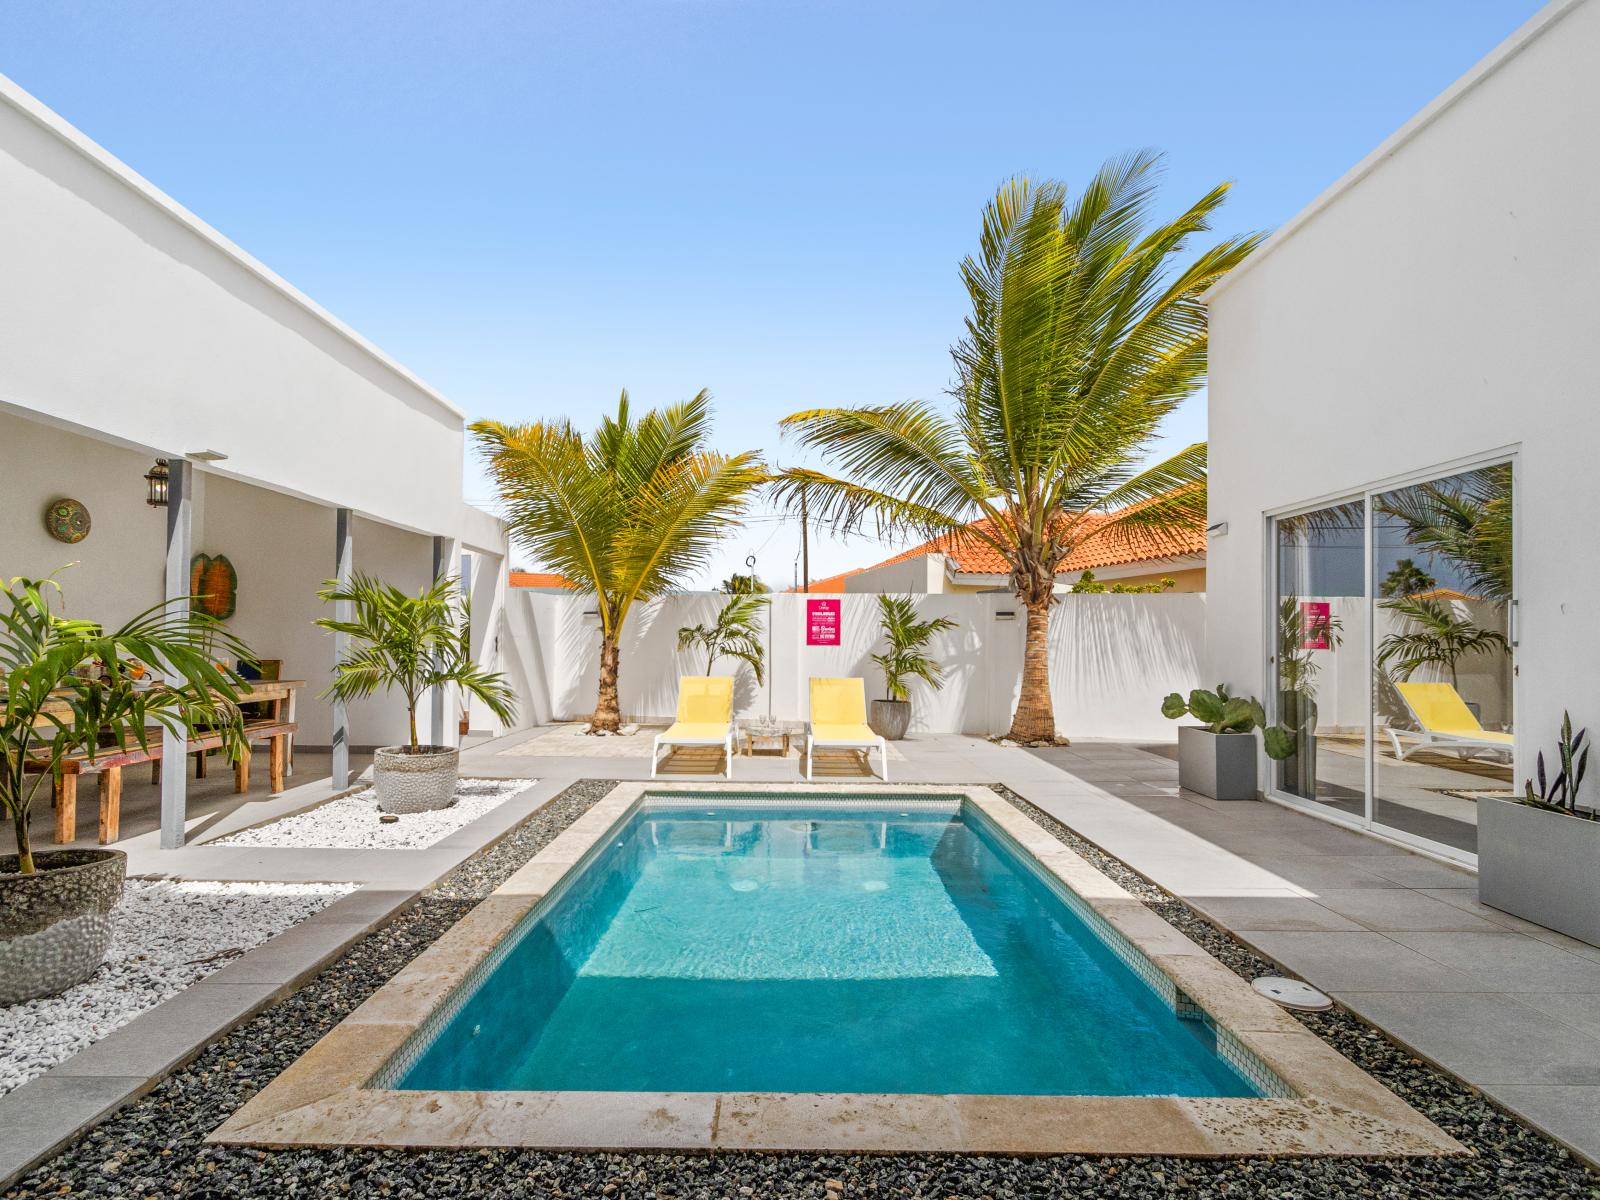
805,546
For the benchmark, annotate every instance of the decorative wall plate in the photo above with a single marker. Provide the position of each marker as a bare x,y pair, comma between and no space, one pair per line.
67,521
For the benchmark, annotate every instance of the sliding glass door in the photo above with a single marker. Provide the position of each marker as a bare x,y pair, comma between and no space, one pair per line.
1391,646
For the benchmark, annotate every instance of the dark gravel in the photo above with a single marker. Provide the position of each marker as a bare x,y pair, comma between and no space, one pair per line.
154,1147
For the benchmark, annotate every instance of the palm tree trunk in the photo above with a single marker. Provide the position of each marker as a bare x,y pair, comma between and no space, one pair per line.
1035,718
607,712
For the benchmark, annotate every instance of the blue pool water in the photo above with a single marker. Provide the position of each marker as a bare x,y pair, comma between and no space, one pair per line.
805,949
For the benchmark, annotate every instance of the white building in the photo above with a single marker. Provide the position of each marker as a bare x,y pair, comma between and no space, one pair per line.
1431,317
131,331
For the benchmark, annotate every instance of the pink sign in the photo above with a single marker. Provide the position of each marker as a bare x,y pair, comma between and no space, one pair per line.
1315,616
822,622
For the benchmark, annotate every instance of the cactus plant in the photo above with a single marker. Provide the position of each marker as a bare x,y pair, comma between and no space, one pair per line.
1219,711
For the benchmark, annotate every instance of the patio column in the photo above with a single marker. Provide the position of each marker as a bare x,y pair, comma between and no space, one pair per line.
343,566
174,746
441,562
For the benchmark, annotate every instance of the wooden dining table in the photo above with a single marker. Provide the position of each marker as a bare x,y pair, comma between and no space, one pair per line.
277,727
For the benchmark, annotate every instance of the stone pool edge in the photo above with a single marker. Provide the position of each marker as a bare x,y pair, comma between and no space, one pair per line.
323,1098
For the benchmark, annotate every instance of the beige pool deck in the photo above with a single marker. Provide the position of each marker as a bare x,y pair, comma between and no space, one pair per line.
1327,1106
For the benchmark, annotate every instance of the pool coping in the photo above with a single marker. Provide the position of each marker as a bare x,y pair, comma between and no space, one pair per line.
325,1097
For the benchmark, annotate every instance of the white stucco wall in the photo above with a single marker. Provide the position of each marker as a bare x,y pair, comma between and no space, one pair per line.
122,314
129,330
1112,659
1437,305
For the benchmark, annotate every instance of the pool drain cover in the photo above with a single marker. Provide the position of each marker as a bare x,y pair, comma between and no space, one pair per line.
1291,993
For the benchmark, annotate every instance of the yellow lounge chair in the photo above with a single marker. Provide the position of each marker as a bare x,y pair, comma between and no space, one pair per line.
705,718
1444,720
839,721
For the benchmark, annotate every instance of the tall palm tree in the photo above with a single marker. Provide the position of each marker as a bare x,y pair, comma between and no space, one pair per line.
1086,330
628,513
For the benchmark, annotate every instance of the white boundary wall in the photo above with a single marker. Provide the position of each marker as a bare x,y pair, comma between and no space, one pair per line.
1112,658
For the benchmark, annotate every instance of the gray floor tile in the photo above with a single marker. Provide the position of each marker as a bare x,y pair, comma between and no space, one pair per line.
155,1041
1270,912
1507,962
1398,909
1485,1037
1359,962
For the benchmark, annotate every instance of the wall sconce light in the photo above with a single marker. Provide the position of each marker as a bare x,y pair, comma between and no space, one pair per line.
156,478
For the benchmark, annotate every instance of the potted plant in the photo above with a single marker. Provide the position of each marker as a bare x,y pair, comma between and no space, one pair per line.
1537,853
409,644
1217,758
69,688
736,633
908,636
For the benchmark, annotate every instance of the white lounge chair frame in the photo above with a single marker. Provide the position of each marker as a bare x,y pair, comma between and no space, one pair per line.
877,743
726,744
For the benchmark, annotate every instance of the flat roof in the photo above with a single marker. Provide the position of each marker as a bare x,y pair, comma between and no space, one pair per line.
64,131
1536,25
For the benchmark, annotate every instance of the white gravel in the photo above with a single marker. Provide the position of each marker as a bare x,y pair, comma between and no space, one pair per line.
351,822
165,936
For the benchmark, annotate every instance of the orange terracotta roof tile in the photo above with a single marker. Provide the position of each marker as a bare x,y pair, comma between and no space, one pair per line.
539,579
969,556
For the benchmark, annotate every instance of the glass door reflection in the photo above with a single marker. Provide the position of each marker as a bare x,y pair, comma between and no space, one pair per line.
1320,654
1443,727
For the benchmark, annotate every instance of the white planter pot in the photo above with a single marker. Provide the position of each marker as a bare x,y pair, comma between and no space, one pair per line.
420,782
1540,866
1219,765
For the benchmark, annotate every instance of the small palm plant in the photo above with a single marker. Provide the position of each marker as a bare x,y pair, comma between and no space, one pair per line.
408,644
908,636
1438,638
736,633
68,687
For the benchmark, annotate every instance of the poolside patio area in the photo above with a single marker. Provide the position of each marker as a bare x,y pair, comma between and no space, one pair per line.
1395,937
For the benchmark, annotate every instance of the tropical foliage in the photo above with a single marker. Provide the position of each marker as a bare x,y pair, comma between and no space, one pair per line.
735,633
1087,584
907,636
408,644
628,513
1086,329
1219,712
1405,578
1438,637
67,687
1465,519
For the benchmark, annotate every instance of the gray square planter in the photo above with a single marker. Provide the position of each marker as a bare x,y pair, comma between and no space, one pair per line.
1219,765
1540,866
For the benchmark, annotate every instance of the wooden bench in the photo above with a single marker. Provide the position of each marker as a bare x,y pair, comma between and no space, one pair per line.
109,767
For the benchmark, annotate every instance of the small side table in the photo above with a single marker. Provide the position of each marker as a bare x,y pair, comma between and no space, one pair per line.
765,743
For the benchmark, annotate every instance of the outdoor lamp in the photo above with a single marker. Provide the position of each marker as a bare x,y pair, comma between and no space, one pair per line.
156,477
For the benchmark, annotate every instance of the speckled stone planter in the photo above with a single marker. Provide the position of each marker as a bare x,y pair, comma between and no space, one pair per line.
420,782
55,924
890,719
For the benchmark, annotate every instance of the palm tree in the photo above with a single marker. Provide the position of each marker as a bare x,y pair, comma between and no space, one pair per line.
1466,520
1086,330
409,644
628,513
1440,638
736,633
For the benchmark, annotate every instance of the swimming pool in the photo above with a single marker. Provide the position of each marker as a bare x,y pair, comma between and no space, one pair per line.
852,946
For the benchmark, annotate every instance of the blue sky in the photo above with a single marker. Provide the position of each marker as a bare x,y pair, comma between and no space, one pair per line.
535,204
